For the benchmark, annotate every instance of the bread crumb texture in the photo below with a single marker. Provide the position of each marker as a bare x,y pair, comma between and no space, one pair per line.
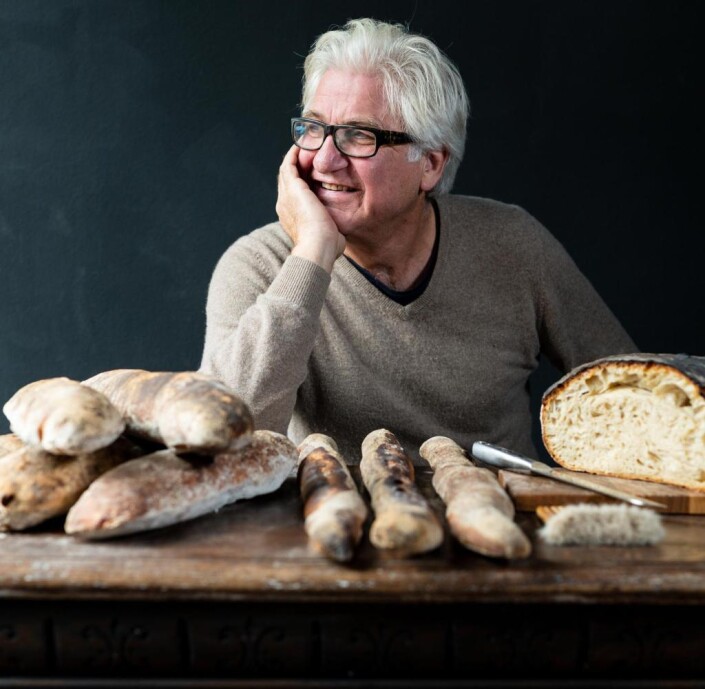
620,525
634,418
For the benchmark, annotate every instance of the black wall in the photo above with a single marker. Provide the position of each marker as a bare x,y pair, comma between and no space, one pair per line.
139,138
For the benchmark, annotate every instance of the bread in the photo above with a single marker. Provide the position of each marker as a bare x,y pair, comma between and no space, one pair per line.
334,511
404,521
63,417
162,488
638,416
36,485
479,512
587,524
186,411
9,443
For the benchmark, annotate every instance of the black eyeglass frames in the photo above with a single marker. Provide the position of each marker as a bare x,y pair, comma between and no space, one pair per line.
350,139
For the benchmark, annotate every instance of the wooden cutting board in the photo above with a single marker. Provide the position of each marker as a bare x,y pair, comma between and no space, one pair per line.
528,492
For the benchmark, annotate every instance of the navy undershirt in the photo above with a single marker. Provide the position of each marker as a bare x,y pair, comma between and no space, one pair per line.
405,297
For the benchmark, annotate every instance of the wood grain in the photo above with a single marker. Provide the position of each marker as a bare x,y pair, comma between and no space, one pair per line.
257,550
529,492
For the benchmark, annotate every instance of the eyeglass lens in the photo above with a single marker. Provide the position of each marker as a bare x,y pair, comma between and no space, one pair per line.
349,140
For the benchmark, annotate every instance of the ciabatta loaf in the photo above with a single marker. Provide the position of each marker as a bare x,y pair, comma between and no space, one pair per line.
638,416
186,411
63,417
36,485
162,488
9,443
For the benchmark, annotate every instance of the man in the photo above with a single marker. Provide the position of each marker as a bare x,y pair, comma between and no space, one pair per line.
378,299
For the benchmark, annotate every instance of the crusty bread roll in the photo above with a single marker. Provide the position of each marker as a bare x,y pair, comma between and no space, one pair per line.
479,512
638,416
186,411
162,488
404,521
63,417
334,511
36,485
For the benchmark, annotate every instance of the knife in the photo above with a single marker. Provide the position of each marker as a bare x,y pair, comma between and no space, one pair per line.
502,458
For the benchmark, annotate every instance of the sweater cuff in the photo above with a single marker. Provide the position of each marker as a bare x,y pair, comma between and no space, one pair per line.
301,282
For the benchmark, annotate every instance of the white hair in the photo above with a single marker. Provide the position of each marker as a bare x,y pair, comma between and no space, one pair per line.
422,87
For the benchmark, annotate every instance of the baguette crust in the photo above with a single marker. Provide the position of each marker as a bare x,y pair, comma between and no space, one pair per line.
334,511
404,521
639,416
162,488
479,511
36,485
63,417
186,411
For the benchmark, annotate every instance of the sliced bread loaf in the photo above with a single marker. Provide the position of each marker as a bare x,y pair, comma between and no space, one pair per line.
636,416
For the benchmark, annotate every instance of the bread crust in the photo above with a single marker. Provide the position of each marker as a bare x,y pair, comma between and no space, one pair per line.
9,443
163,488
404,521
36,485
186,411
334,511
479,511
63,417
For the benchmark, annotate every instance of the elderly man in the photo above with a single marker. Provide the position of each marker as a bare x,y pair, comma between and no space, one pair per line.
378,299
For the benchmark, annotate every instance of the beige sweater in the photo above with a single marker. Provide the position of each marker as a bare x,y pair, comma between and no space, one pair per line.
311,352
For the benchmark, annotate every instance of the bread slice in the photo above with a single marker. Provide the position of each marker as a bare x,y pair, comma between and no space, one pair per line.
638,416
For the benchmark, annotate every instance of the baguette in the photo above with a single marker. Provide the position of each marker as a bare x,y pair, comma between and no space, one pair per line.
478,510
639,416
36,485
404,521
162,488
186,411
63,417
334,511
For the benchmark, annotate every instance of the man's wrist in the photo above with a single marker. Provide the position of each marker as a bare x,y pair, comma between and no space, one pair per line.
322,253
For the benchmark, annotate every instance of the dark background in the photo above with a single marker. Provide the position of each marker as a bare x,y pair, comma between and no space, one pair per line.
139,138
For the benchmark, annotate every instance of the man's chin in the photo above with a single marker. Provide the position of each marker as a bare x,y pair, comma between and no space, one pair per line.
346,224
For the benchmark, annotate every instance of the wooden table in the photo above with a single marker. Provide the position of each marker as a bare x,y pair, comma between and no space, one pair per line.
237,599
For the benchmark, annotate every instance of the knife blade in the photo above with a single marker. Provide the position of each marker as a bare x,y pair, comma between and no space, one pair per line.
502,458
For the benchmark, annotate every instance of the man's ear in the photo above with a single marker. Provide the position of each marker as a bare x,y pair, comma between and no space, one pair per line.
434,163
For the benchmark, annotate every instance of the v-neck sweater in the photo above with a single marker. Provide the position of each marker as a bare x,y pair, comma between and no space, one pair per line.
312,352
405,297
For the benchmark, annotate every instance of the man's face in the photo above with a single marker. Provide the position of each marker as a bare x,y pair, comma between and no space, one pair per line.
361,194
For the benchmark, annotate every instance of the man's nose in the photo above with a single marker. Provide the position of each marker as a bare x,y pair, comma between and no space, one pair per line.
328,158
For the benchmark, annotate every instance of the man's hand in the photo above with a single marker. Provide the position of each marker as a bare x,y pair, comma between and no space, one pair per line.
304,218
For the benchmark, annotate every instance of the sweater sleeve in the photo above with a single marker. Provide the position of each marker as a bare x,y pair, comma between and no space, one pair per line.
260,328
574,323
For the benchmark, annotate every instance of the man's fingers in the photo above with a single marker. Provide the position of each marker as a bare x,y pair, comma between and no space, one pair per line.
290,158
288,170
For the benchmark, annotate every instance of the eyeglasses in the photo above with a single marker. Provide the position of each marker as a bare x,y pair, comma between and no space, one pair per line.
349,139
